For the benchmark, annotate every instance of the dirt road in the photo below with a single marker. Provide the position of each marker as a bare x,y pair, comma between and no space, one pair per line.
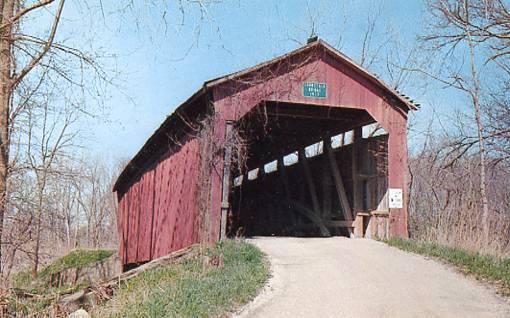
340,277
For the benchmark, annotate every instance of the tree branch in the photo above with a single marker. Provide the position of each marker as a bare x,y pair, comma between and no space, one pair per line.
51,37
26,10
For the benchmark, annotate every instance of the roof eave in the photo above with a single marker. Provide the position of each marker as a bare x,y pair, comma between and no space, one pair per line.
370,76
132,163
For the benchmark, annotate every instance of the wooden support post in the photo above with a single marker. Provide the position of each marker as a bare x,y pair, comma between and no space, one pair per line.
309,180
282,170
225,187
326,193
356,191
339,185
261,176
356,138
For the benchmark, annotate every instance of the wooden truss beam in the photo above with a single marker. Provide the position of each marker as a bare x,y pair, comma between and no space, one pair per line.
339,185
309,180
225,186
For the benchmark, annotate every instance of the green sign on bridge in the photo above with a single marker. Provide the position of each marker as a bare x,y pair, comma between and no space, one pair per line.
314,89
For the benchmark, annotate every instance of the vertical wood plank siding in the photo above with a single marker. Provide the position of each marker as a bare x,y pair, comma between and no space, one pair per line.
157,213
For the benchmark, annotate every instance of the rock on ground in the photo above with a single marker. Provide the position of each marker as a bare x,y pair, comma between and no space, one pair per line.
80,313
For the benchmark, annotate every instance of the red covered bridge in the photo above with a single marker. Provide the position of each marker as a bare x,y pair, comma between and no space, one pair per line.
306,144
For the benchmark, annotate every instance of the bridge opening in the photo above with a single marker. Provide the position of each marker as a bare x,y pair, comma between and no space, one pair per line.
311,171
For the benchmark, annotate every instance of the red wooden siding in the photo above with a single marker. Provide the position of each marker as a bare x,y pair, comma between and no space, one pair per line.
157,214
145,224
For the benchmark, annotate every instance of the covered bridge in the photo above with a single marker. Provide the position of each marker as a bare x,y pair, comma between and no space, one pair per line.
306,144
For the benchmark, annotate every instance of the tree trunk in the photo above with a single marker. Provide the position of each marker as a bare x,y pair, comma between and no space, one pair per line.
475,97
6,64
38,219
483,190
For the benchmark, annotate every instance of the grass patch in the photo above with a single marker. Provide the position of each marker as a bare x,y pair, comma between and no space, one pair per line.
76,259
190,289
36,297
485,267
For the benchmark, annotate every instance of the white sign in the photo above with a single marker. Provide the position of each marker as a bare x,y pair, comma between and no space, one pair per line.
396,200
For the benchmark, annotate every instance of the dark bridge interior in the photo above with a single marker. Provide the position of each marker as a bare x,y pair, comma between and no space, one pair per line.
309,171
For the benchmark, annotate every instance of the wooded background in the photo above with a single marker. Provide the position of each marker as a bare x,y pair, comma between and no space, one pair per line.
55,197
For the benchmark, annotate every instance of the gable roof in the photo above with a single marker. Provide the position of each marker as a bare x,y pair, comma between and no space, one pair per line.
318,43
133,168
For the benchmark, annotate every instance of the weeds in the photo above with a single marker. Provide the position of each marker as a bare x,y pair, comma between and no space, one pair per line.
484,267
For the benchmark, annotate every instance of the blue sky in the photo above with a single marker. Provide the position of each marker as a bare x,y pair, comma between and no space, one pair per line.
162,61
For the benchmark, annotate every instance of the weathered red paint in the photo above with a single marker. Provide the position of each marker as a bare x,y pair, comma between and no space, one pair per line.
158,209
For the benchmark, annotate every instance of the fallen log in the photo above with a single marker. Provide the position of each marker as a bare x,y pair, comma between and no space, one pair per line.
158,262
92,295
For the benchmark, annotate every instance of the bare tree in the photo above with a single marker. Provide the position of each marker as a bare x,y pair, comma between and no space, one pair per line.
95,199
484,22
456,33
446,201
21,55
497,119
45,145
